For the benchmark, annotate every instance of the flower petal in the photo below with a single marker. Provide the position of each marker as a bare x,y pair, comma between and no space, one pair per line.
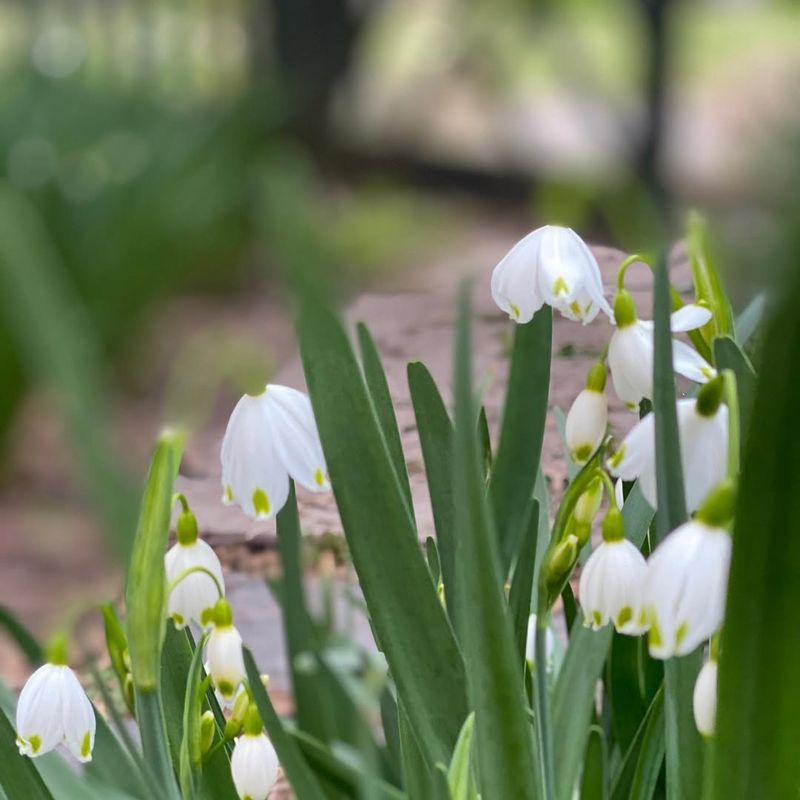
78,718
196,593
254,766
563,265
586,424
514,281
253,474
689,363
630,359
296,437
636,451
689,317
704,450
39,718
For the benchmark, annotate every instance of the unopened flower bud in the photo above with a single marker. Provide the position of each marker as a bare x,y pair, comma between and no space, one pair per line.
563,559
587,419
704,699
233,727
586,509
208,730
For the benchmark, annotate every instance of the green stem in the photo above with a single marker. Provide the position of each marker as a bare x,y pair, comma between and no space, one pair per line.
152,729
191,570
543,729
732,401
623,268
610,490
179,497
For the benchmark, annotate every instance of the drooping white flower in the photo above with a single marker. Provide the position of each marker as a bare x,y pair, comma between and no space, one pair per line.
194,596
630,351
587,419
530,645
703,435
551,265
704,698
53,708
270,438
610,587
685,588
254,762
224,659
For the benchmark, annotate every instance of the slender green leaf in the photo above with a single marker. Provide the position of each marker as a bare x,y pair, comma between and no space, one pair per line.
747,323
684,746
417,774
628,707
502,731
61,352
215,782
521,592
518,454
645,754
24,639
594,783
436,437
339,777
18,776
728,355
485,441
410,623
382,401
758,713
459,774
390,722
576,687
432,557
190,755
299,773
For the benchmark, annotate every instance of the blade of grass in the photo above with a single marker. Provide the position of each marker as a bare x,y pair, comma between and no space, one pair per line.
502,731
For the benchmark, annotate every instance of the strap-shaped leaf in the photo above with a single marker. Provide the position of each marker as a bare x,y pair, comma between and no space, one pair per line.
300,775
758,713
517,459
409,621
728,355
436,437
574,695
521,592
505,761
685,751
18,776
378,386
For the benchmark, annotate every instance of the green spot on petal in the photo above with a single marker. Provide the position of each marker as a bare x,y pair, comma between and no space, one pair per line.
680,634
228,496
86,745
616,459
261,503
597,618
207,617
514,310
178,619
226,688
36,743
580,455
654,636
319,478
560,287
575,308
625,616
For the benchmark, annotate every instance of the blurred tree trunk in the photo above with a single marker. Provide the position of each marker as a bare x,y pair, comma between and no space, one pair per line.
656,18
309,46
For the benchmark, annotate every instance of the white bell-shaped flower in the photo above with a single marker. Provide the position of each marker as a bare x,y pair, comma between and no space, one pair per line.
587,419
703,435
630,351
196,592
254,762
610,587
53,709
224,659
530,645
704,698
551,265
270,438
685,588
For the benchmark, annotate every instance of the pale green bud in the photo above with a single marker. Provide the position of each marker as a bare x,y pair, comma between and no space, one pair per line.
613,526
208,730
624,309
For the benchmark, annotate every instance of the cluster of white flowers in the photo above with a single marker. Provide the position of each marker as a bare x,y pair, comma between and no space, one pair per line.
677,595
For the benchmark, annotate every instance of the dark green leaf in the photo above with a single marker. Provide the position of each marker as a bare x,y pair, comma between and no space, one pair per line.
521,593
436,437
684,746
502,730
594,783
22,636
517,460
627,704
758,716
299,773
190,755
576,687
18,776
405,611
727,355
382,401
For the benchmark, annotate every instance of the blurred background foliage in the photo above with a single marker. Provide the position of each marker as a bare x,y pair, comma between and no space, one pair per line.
144,134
